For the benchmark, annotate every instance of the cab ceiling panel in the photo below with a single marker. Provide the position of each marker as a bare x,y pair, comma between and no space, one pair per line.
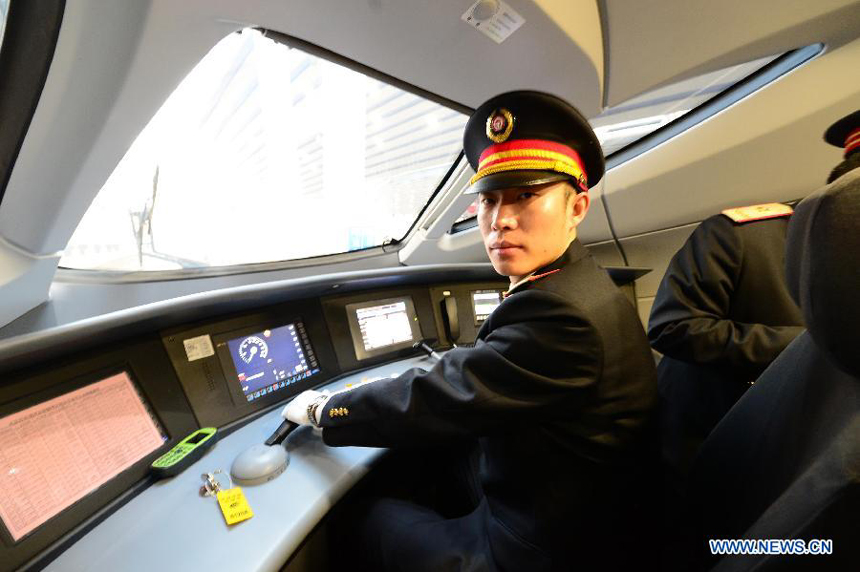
426,44
656,42
118,61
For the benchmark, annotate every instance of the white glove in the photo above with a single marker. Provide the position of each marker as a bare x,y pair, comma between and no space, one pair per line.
297,409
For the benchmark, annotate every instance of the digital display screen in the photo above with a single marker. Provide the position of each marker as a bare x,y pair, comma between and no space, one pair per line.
382,326
272,359
55,453
484,302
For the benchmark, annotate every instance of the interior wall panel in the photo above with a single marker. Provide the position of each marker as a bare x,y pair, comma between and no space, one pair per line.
606,253
643,306
654,250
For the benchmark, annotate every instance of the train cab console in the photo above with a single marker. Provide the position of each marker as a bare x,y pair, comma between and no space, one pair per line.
85,410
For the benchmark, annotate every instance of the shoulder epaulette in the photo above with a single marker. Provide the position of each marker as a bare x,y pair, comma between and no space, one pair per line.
758,212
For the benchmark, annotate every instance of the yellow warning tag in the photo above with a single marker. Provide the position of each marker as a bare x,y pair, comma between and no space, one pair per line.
758,212
234,505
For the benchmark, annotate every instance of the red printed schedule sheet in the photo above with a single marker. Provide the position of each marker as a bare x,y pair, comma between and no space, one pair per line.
56,452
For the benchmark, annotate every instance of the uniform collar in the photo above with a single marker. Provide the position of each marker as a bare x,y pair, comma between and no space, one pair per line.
518,283
574,253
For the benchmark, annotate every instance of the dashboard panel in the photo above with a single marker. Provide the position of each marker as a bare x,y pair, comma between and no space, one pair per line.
342,311
223,372
35,476
454,310
201,356
223,369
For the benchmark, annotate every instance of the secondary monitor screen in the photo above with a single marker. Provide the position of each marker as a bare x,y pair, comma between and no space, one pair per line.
484,302
382,326
272,359
55,453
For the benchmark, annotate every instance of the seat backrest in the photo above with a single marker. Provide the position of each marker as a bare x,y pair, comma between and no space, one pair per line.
785,461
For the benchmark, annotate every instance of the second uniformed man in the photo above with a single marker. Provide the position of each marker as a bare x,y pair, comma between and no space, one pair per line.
559,389
722,314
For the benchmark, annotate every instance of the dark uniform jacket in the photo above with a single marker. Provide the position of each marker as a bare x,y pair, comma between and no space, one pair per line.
560,390
721,315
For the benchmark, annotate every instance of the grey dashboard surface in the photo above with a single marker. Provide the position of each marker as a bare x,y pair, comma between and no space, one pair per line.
169,526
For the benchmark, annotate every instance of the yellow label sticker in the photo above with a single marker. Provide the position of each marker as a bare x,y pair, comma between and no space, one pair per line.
234,505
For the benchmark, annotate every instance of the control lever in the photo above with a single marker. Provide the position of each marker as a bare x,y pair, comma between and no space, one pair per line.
425,346
281,432
264,461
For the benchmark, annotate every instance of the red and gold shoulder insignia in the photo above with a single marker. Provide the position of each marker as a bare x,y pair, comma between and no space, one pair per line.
758,212
500,123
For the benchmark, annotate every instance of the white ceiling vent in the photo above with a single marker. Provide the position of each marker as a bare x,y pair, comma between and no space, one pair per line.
494,18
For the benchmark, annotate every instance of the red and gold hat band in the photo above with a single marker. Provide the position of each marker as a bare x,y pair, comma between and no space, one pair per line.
535,154
852,141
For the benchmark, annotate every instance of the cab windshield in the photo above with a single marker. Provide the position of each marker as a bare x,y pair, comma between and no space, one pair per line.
265,153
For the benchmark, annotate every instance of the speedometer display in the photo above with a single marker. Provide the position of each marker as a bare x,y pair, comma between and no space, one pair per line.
272,359
253,347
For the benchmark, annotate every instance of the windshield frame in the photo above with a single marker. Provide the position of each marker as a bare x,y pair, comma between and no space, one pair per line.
25,59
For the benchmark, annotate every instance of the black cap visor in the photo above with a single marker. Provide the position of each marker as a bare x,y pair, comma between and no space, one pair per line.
513,179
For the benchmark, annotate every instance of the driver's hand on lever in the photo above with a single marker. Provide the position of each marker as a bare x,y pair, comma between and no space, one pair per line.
305,408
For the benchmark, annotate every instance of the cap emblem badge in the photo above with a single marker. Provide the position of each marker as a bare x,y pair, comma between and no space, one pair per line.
500,123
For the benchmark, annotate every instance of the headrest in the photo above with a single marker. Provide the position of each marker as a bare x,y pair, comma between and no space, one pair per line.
822,259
